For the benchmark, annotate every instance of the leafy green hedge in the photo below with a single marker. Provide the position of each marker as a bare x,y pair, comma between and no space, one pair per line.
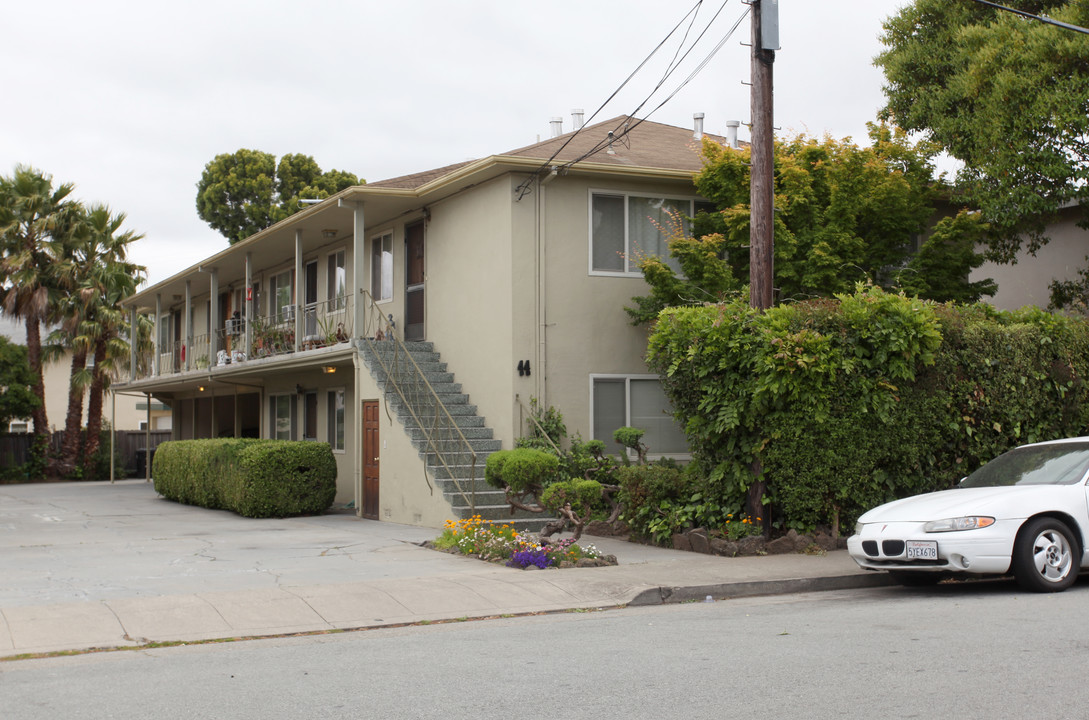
254,478
850,402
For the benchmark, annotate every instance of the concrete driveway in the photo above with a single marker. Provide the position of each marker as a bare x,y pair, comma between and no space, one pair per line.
100,565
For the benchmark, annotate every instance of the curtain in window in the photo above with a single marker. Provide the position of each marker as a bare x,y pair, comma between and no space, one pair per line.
608,233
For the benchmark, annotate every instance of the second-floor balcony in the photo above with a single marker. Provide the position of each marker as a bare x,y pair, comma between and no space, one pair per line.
294,329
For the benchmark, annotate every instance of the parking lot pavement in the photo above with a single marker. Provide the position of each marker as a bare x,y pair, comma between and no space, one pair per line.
89,565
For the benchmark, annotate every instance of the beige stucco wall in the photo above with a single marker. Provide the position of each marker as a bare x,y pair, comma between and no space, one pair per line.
469,300
1026,282
404,495
586,329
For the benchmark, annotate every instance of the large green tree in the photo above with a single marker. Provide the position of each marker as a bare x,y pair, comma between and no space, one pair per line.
243,192
106,332
17,398
91,329
31,212
1007,96
843,214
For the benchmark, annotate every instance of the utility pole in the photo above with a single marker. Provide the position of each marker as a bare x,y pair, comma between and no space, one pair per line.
765,41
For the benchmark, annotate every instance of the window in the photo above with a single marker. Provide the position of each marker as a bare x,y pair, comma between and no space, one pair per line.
335,404
382,267
18,426
282,417
282,307
625,227
337,281
635,401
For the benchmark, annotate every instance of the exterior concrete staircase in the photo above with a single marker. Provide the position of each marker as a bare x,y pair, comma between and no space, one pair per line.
447,460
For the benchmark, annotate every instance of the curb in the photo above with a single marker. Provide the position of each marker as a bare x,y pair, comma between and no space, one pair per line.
693,593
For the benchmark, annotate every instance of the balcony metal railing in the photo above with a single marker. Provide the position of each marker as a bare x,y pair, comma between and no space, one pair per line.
323,324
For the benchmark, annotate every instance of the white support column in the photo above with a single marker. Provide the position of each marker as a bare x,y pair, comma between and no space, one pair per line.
113,435
215,321
298,290
248,333
359,275
134,341
158,321
188,325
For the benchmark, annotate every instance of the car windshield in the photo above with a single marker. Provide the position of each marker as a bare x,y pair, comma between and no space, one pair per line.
1060,464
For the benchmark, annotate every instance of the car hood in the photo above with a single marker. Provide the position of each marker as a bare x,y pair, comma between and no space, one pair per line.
999,502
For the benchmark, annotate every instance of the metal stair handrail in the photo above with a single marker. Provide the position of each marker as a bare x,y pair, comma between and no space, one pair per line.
416,392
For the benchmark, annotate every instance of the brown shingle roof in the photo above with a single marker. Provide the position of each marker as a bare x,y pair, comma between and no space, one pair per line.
645,144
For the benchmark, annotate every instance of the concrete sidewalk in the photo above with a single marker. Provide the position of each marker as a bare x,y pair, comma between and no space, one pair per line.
94,565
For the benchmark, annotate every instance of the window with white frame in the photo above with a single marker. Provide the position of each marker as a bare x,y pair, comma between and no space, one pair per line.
337,280
635,401
282,307
625,227
282,417
382,267
335,424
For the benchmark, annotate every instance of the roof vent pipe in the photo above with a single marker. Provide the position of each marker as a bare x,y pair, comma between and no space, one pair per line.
697,121
731,132
557,126
576,119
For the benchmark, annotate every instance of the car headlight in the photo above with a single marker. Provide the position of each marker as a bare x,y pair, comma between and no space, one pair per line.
858,528
971,522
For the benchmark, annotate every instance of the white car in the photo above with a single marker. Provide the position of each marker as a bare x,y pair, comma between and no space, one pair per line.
1025,512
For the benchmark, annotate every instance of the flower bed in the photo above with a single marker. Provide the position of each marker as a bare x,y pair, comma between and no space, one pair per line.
504,544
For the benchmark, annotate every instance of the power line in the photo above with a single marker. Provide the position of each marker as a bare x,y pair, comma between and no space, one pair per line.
1041,18
630,122
525,185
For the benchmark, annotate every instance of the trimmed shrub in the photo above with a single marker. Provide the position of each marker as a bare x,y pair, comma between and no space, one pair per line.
254,478
522,470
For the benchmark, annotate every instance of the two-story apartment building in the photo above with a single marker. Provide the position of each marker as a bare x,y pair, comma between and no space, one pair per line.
500,279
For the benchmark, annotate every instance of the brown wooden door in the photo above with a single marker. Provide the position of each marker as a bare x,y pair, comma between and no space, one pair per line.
370,459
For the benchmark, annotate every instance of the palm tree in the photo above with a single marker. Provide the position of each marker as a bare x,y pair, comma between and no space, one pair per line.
109,280
29,211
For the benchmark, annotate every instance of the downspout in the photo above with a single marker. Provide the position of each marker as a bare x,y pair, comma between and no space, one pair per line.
541,381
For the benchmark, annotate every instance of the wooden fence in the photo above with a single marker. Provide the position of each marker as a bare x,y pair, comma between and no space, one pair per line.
130,447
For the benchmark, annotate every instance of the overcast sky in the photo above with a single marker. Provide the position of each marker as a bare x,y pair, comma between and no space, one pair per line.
130,100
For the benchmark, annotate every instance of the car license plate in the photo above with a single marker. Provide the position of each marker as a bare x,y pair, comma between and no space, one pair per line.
921,550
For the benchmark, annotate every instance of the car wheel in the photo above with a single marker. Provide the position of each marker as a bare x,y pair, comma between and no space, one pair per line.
1045,556
911,578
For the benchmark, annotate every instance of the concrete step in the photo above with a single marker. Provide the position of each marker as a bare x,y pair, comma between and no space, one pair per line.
469,433
462,421
447,443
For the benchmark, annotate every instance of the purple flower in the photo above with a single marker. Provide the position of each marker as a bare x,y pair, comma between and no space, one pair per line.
525,558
